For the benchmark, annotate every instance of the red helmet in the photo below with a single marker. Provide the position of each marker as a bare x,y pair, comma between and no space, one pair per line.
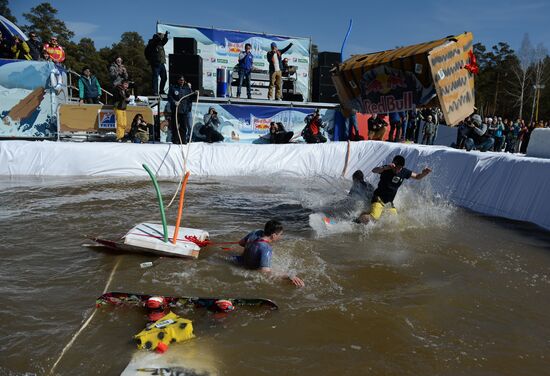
155,302
224,305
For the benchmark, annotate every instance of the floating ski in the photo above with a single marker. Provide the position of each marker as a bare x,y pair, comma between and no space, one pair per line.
139,300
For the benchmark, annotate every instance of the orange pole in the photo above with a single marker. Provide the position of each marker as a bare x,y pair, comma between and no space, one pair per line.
180,207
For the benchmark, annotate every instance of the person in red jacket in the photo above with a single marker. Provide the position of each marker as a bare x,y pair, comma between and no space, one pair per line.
312,131
56,52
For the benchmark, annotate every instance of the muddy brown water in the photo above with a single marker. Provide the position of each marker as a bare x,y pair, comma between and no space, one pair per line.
436,290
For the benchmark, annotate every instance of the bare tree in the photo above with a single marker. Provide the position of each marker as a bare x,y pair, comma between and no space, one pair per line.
539,58
521,71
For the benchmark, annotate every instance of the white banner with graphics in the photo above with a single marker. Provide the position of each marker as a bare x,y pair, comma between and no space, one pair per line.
220,49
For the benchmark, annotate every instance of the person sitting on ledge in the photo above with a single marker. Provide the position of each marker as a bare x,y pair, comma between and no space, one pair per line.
139,133
278,133
312,131
210,127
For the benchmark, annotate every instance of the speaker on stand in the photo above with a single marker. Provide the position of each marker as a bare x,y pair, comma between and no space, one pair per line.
190,66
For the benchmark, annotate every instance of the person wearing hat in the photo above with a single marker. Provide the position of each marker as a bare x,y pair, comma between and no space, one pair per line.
391,178
312,131
89,89
155,55
210,127
478,138
275,71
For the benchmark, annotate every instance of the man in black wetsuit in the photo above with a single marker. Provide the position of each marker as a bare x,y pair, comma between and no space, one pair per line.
391,178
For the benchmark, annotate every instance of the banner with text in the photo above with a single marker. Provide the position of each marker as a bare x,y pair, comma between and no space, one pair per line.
454,84
220,49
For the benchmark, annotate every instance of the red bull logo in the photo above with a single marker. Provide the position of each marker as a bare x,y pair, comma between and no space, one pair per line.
233,47
388,103
384,83
261,124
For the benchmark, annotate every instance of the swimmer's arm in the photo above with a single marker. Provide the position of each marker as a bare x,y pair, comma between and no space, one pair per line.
422,175
297,281
381,169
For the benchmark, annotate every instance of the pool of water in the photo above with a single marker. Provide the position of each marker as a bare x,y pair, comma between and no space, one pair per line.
433,290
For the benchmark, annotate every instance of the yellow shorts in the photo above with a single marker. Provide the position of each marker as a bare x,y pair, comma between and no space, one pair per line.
378,207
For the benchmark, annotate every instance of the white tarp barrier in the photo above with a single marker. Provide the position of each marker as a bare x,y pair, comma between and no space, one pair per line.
498,184
539,143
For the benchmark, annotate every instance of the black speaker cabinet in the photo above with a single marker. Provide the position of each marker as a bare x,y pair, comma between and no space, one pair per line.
185,46
328,58
190,66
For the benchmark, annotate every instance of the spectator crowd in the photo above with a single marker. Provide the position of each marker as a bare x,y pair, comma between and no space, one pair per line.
418,126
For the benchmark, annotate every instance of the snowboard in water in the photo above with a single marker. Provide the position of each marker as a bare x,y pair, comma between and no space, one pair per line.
139,300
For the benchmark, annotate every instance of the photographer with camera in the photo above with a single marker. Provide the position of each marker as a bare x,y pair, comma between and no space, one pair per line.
155,55
20,49
312,131
210,127
139,133
118,72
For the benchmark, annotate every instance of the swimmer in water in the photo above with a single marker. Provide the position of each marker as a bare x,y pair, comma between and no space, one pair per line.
257,250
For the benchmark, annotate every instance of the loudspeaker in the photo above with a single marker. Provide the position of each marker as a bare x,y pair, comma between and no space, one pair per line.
322,75
328,58
327,93
296,97
185,46
322,88
190,66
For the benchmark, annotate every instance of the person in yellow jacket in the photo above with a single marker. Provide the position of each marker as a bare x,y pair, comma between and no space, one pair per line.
20,49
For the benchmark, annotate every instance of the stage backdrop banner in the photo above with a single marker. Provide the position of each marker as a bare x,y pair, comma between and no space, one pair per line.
250,124
30,92
220,49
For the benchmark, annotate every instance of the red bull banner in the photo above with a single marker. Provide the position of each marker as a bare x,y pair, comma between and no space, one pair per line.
433,73
385,89
260,124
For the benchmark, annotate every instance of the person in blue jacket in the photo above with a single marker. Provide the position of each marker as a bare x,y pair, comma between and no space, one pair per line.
246,62
89,89
257,250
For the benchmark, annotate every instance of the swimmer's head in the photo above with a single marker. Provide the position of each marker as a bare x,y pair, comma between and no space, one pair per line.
358,175
274,229
399,160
